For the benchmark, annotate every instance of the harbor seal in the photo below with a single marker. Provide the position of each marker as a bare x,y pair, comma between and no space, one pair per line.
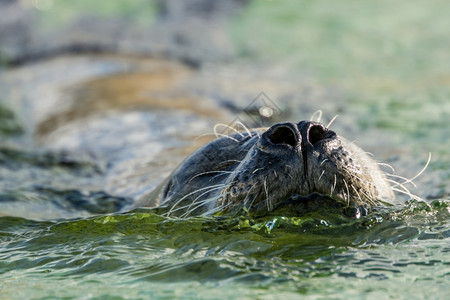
298,166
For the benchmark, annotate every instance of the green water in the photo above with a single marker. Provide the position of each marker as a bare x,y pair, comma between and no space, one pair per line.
389,59
140,255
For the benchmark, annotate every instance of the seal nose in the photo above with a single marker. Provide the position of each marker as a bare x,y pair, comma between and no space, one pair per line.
284,133
313,132
316,133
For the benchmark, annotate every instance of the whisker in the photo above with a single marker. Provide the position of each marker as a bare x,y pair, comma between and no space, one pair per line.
348,192
357,194
247,197
410,180
333,187
210,172
399,177
369,153
244,127
399,187
397,184
386,165
198,205
191,193
317,112
189,206
323,161
214,210
369,197
267,195
220,207
256,170
226,136
321,174
204,135
289,173
199,196
332,121
415,197
232,160
228,127
421,171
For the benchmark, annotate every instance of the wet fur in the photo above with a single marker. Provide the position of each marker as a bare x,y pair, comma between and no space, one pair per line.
252,172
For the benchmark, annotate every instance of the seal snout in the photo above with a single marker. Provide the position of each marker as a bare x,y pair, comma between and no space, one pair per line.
301,135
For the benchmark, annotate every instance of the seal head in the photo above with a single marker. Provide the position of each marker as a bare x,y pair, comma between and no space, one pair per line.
289,165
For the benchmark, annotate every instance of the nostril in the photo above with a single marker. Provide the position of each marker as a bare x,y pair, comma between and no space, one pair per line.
316,133
283,135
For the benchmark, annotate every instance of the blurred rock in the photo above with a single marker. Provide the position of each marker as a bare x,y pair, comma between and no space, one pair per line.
16,22
193,31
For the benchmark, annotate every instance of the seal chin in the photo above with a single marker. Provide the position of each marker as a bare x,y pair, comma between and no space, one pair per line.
298,205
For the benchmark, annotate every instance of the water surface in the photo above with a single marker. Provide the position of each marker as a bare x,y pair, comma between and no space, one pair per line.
83,136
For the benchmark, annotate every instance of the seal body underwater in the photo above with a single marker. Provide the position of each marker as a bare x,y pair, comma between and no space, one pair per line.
289,165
